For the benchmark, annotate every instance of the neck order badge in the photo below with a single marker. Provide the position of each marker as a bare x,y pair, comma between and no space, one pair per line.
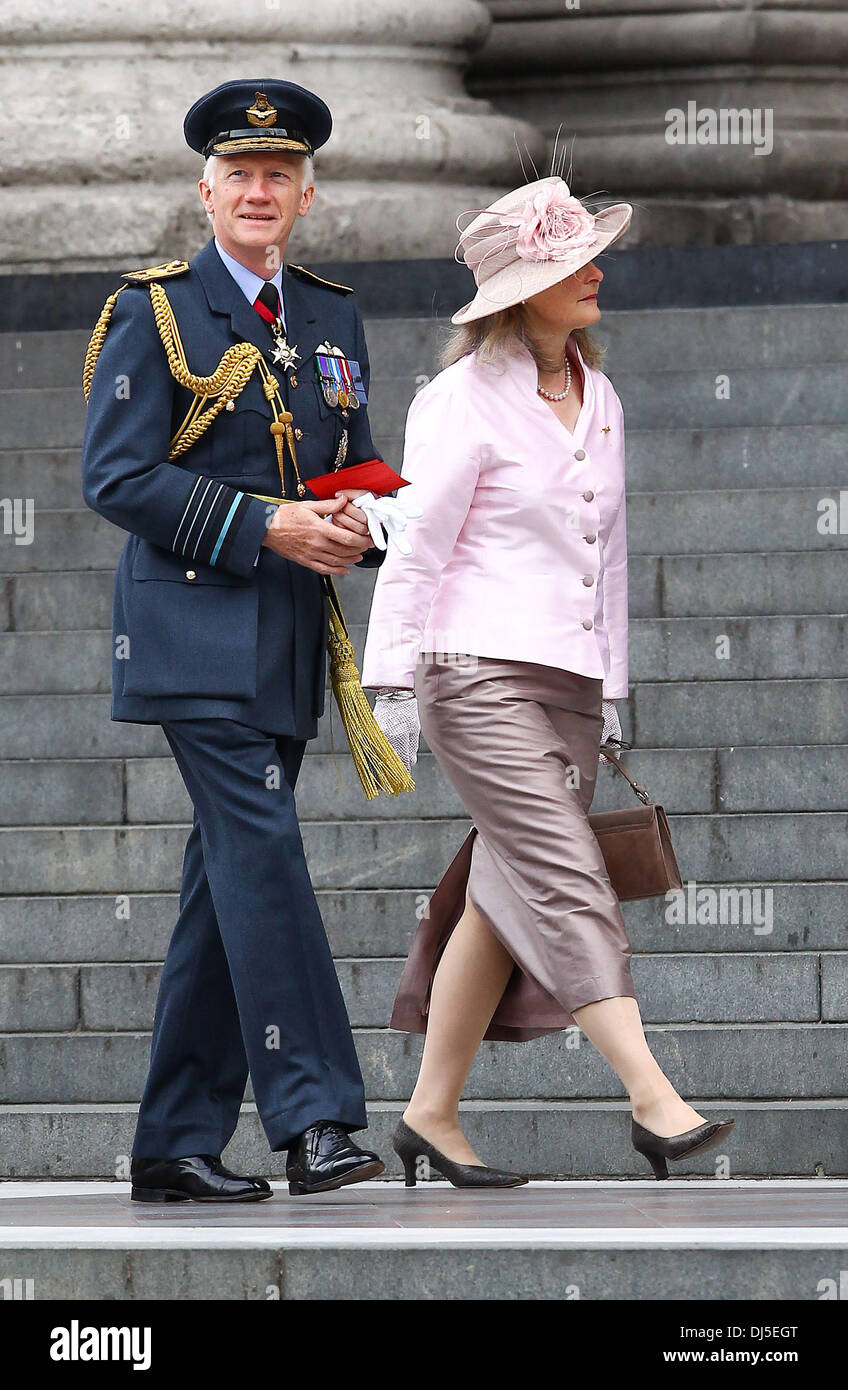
267,306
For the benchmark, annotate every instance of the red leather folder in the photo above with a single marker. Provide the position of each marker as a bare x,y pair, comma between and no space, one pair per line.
374,475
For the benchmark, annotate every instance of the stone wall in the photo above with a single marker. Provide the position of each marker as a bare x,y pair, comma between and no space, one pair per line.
95,172
610,70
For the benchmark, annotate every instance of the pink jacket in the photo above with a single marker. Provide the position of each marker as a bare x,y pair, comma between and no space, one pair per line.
521,550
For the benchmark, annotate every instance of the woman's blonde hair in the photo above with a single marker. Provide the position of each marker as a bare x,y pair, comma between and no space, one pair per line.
494,337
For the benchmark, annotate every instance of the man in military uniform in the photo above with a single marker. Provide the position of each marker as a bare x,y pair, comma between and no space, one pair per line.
220,624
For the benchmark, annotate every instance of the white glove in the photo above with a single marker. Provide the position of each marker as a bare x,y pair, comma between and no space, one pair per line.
612,725
399,721
391,513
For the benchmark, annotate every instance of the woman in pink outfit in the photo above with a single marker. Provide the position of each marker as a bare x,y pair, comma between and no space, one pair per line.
504,633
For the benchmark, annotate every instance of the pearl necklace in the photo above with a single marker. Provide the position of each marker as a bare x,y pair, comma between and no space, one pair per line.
558,395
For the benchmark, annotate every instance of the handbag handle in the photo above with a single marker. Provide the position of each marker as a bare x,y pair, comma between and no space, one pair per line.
613,758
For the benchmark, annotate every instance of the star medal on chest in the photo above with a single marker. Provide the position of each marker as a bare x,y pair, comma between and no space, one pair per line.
286,356
340,378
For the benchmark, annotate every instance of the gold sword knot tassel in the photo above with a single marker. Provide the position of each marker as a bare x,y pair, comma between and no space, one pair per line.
282,430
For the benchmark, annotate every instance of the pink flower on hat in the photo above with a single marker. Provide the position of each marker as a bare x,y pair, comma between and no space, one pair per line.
552,225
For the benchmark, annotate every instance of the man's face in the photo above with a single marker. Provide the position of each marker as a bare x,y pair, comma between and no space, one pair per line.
255,198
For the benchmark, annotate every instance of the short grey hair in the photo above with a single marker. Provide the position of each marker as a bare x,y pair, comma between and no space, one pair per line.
308,170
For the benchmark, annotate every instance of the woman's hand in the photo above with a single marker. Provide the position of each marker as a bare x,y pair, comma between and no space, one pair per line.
397,716
612,724
386,518
350,516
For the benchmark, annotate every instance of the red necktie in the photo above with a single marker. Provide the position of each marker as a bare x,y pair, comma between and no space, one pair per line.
267,303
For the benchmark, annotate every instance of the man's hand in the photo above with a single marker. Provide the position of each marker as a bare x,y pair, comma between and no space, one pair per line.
299,532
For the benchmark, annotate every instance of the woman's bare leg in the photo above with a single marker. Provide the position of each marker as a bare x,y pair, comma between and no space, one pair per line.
614,1027
469,981
471,977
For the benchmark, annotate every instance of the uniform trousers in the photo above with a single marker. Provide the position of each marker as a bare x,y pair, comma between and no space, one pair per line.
248,984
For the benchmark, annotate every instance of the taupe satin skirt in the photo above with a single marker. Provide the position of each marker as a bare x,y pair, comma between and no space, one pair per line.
520,743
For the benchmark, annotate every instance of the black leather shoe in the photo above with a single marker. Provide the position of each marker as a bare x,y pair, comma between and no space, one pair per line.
196,1178
325,1157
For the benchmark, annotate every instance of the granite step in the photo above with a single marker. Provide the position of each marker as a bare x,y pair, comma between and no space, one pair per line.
658,460
758,847
49,417
674,586
770,1061
682,714
386,1263
797,394
668,523
727,337
150,790
557,1138
666,714
675,649
758,987
799,916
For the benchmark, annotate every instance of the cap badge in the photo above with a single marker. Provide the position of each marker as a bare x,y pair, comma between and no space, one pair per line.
262,112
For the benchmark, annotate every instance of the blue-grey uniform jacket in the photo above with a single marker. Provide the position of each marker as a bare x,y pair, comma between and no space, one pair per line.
206,620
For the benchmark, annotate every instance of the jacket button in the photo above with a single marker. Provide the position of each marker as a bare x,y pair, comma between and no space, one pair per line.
231,405
587,496
588,580
191,574
591,538
587,623
293,382
580,454
298,434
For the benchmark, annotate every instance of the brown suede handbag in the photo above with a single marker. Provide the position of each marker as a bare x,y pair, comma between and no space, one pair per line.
636,844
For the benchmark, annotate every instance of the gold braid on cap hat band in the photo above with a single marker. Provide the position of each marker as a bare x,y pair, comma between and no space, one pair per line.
226,383
377,764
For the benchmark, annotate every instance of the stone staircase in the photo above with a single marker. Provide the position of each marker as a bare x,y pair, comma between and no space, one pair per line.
739,694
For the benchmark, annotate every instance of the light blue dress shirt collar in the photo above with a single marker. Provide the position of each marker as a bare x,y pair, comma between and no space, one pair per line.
248,281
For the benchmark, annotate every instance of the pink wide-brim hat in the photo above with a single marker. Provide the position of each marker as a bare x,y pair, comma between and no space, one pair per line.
531,239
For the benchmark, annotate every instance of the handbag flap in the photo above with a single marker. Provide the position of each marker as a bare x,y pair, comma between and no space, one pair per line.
622,817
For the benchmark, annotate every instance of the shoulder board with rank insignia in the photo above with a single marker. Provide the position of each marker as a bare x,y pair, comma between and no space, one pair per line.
156,272
304,274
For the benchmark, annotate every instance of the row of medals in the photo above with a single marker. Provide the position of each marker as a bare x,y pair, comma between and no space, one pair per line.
288,357
333,393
